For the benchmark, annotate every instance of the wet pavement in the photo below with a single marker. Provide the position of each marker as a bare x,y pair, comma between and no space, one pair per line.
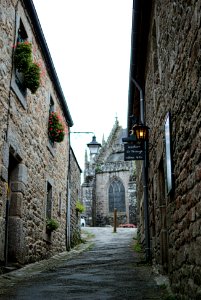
106,267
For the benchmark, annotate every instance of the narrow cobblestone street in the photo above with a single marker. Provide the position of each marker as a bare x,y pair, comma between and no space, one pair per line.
106,267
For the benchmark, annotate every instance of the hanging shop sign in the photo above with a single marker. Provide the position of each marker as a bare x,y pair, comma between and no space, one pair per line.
134,151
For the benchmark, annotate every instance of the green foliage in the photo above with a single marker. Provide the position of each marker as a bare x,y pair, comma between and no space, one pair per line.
56,129
32,78
24,63
52,224
98,169
170,297
137,247
22,56
80,207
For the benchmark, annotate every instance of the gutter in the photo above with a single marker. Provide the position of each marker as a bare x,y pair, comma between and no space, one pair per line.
29,6
133,56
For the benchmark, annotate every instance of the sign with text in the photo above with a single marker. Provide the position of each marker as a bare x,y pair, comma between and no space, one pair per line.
134,151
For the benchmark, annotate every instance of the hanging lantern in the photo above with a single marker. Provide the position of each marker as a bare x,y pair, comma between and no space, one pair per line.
141,132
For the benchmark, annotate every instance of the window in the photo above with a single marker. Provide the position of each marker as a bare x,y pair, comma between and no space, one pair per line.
117,196
60,205
19,76
17,82
168,154
49,201
51,109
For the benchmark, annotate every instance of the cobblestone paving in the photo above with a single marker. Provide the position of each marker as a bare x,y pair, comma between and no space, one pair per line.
109,269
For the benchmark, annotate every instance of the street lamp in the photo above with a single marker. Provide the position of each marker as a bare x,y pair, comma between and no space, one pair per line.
94,147
141,132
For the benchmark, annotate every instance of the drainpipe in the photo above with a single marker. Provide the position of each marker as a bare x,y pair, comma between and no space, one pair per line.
141,101
68,209
145,178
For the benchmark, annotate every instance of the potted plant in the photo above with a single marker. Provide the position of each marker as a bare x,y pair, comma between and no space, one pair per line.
79,207
24,64
56,128
51,225
22,56
32,77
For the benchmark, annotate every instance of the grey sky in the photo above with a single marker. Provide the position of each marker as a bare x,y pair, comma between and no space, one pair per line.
89,41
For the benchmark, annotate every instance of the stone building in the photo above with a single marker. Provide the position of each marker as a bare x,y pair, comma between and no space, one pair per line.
165,63
33,167
109,182
75,195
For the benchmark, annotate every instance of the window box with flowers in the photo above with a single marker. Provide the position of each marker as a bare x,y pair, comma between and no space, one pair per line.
25,65
56,128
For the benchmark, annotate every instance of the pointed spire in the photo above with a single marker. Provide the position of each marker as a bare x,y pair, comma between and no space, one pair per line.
103,140
116,120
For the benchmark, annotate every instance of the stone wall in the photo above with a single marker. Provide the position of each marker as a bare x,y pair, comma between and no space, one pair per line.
87,198
29,164
75,184
173,84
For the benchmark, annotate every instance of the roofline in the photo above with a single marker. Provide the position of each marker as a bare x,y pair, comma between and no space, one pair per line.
133,57
45,50
75,159
139,38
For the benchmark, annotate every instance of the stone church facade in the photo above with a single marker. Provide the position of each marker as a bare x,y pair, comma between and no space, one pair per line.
165,62
33,170
109,183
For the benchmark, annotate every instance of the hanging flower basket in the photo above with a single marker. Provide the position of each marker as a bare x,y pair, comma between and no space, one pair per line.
56,128
32,78
22,56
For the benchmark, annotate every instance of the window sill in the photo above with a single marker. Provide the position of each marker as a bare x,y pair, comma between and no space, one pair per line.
51,148
16,90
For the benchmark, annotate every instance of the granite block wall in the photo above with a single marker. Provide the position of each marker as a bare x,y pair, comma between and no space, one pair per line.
28,161
173,84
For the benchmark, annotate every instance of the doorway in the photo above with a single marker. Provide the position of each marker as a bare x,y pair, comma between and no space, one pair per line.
13,221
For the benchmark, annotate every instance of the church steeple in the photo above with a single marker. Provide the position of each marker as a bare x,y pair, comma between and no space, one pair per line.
116,120
103,140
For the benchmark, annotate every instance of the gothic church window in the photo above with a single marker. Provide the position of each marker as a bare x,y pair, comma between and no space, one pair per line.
117,196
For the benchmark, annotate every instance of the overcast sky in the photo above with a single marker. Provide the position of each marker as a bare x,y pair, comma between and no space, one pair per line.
89,41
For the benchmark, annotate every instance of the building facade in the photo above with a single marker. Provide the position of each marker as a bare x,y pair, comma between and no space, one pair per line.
109,183
75,196
165,62
33,167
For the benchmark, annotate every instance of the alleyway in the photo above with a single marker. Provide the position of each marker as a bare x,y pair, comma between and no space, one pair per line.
109,269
